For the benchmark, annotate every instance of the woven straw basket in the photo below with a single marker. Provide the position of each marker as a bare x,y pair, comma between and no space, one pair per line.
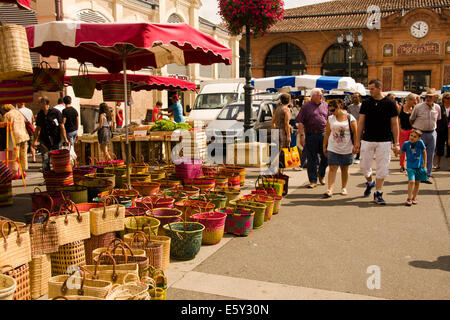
7,287
22,277
15,245
72,226
163,240
108,218
40,273
91,288
15,59
68,255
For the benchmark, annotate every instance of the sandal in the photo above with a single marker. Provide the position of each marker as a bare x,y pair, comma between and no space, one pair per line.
327,194
408,202
414,201
344,192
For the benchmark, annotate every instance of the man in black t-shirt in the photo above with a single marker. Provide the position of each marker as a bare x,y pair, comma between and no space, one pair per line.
70,120
378,124
49,129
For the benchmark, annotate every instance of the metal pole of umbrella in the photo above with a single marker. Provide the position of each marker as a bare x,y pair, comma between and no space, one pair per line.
127,145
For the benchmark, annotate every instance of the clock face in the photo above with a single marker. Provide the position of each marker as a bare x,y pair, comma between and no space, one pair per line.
419,29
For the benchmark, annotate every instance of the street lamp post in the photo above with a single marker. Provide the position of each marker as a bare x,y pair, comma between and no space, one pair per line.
350,40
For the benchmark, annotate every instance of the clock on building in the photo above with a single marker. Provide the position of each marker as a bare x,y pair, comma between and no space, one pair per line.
419,29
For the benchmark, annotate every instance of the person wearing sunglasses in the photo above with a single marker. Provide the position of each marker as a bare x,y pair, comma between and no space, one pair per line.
338,144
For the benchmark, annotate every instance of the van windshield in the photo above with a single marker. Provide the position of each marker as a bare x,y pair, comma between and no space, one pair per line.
235,112
214,100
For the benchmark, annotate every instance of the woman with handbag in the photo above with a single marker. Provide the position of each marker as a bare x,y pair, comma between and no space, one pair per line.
338,144
104,129
21,137
29,117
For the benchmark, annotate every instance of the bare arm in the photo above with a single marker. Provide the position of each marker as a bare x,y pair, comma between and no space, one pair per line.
100,124
301,133
359,131
354,128
325,138
287,126
395,133
424,153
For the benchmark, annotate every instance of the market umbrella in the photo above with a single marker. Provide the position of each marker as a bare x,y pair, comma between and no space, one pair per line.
140,82
306,82
22,4
126,46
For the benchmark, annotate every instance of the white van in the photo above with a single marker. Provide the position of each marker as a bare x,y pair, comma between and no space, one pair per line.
213,96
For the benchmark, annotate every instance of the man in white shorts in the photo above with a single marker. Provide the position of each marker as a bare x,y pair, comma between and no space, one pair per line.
377,125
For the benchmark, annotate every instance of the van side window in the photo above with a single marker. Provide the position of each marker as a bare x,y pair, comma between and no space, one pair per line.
266,113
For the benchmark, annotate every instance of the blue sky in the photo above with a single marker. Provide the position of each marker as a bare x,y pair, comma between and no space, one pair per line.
209,8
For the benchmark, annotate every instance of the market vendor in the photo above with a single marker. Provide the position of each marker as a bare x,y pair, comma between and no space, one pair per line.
176,109
49,130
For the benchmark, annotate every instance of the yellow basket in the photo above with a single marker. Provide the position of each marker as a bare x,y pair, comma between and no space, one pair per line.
133,224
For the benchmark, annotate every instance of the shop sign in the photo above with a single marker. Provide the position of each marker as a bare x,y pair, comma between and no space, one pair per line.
419,49
179,76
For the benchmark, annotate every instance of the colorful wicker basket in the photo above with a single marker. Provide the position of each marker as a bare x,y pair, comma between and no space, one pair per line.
165,216
214,223
239,221
186,239
258,208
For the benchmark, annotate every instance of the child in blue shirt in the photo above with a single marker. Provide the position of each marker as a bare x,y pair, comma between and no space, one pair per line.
416,164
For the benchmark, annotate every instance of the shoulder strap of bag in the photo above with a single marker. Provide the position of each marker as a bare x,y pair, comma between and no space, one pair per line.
350,128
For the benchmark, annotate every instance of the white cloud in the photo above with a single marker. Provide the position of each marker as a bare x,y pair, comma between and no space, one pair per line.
210,9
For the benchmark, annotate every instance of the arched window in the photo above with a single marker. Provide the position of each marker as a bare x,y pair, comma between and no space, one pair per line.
336,62
174,18
241,63
285,59
91,16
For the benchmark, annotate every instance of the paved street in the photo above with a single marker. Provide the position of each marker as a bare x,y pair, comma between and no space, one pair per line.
321,248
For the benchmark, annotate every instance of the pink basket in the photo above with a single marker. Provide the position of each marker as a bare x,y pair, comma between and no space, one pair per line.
188,168
214,223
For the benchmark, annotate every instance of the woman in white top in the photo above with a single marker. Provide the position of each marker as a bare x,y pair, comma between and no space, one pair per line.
104,129
338,144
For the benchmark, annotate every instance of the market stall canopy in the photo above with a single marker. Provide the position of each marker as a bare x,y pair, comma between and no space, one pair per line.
23,4
143,44
306,82
141,82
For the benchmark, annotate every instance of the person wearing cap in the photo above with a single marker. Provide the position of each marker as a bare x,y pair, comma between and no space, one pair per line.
424,117
176,109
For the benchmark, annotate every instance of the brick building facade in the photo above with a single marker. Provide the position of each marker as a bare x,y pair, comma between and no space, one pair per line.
405,43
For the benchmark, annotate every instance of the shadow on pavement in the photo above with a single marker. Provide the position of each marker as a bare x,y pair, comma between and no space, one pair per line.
442,263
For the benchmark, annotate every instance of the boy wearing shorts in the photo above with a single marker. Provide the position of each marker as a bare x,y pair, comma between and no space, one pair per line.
416,164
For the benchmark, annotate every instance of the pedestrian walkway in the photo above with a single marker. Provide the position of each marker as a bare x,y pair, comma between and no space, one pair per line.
319,248
322,248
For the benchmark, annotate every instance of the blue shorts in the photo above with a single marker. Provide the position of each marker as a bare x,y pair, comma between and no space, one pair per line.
417,174
341,160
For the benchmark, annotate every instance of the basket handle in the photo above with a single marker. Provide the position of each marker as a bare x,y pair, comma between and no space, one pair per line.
130,274
113,243
83,70
72,206
60,298
123,246
177,233
139,234
9,223
41,211
99,258
112,198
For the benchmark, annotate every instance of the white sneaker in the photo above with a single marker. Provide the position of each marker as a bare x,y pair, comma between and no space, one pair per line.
356,161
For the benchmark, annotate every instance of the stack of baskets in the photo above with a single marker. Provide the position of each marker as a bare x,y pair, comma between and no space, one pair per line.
54,180
60,160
